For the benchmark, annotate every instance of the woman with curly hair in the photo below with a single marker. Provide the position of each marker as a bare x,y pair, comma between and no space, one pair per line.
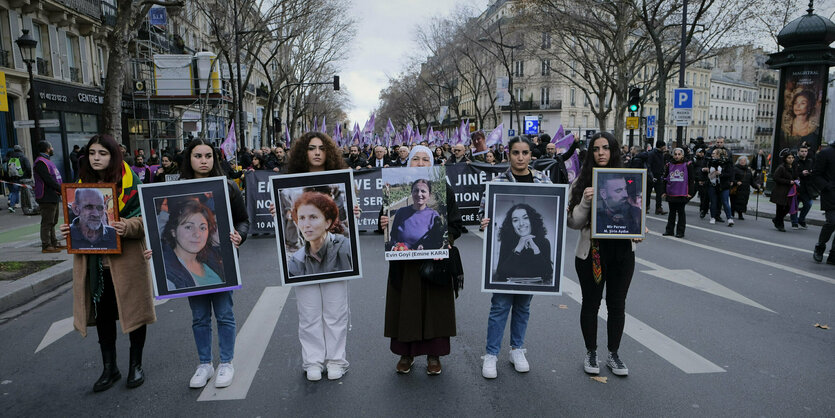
600,263
802,125
325,249
323,308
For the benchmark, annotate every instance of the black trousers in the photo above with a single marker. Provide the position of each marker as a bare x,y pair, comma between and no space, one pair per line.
704,199
617,261
827,229
107,314
676,211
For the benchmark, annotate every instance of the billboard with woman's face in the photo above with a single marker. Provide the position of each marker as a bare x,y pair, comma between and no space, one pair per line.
316,234
799,109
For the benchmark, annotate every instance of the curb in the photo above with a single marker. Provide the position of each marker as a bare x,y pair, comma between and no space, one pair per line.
30,287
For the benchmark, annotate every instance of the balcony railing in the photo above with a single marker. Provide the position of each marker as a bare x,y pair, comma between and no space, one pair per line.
4,58
75,74
108,13
88,7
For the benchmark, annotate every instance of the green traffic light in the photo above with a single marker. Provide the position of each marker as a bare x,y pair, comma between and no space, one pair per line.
633,108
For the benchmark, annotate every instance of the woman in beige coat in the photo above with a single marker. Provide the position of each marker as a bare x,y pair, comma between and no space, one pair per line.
114,286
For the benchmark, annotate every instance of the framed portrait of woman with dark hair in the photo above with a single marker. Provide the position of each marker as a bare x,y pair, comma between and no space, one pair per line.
414,199
184,222
316,232
525,239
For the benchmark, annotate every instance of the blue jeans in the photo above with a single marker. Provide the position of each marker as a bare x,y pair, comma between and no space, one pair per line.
805,207
201,325
718,197
501,304
14,195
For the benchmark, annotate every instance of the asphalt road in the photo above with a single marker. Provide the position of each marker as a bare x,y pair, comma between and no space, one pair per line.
720,323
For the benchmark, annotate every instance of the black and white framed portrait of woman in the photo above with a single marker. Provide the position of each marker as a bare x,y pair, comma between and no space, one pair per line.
184,222
525,239
617,205
316,233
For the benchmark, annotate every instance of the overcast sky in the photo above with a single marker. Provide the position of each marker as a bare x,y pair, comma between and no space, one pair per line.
385,39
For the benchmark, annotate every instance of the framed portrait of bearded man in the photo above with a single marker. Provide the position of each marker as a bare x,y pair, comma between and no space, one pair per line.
90,211
617,203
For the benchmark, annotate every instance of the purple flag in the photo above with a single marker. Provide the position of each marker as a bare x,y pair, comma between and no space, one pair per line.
390,127
315,123
286,136
324,128
558,135
337,134
356,139
230,144
572,164
496,136
369,125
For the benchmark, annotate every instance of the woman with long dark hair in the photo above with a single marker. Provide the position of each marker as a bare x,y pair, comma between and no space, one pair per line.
323,308
114,286
190,257
168,167
201,160
600,263
784,194
420,315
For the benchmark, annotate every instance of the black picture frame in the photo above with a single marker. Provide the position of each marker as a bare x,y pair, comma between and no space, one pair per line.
346,263
170,276
526,271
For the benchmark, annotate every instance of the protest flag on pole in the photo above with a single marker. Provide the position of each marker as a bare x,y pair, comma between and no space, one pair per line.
230,144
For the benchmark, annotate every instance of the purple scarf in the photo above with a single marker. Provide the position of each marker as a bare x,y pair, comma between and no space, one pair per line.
792,196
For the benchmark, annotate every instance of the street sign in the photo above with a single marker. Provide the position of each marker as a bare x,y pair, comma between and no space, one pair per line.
650,121
28,124
650,132
683,99
684,116
633,122
531,125
511,132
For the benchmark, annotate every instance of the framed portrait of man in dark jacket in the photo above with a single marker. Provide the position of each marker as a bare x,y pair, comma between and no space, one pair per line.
90,211
187,225
617,203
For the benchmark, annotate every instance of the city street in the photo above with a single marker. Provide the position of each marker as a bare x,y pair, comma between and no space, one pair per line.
721,323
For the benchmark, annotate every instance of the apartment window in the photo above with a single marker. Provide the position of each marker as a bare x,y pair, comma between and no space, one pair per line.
73,58
573,68
546,67
519,93
572,98
546,40
102,62
519,69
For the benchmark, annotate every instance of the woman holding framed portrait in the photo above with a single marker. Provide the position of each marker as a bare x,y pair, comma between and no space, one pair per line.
523,252
420,315
196,262
107,287
600,263
323,307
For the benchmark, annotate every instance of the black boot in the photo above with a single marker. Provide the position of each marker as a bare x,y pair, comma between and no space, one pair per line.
818,254
110,374
831,258
136,377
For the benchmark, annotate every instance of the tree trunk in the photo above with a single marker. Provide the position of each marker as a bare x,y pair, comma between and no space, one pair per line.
117,43
661,118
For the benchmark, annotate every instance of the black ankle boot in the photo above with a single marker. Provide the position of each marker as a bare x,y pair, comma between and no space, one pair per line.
110,374
831,258
817,255
136,377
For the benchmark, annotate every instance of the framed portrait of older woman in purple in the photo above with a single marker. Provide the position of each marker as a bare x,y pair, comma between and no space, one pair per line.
414,199
316,232
184,221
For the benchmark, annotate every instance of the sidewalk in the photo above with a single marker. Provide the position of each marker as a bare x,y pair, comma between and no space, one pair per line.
20,241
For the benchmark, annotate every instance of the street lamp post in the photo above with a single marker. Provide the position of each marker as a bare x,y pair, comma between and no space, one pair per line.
27,45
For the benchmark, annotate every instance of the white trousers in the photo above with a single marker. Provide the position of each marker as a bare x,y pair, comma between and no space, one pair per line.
323,323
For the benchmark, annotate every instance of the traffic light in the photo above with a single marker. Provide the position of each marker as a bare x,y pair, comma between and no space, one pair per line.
634,99
336,82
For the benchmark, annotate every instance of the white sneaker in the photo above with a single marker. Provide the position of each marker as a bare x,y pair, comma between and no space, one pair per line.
201,376
520,363
730,222
314,373
712,221
336,371
225,374
488,368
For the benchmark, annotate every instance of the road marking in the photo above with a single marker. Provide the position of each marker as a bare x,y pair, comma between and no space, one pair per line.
696,281
60,328
250,344
787,247
755,260
678,355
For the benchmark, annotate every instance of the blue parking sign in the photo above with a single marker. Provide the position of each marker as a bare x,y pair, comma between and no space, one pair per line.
531,126
683,98
511,132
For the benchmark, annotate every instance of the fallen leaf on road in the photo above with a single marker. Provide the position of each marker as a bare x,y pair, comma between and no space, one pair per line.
822,326
599,379
563,306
